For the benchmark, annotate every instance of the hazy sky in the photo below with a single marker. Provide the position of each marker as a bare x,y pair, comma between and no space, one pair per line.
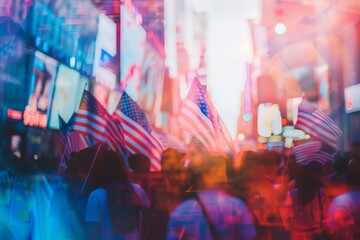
229,48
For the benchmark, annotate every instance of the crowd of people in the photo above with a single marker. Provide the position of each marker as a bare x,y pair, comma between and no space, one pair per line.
196,195
210,195
308,192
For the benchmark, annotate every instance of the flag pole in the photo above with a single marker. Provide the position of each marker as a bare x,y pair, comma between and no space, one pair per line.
91,167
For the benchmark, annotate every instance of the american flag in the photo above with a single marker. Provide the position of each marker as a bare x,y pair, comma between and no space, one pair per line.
317,124
63,131
94,121
200,118
71,141
138,133
170,141
311,151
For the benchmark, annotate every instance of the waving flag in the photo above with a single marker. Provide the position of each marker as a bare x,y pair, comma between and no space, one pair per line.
63,131
200,118
71,141
317,124
170,141
138,133
311,151
94,121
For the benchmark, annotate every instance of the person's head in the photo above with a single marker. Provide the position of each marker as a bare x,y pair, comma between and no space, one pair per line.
340,162
91,165
171,160
270,161
139,163
195,153
116,167
246,166
214,170
244,159
353,172
354,150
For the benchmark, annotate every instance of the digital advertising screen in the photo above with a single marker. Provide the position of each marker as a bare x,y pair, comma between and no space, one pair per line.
132,47
42,79
105,50
67,95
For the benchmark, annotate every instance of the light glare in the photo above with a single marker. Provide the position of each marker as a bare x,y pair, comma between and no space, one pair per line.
280,28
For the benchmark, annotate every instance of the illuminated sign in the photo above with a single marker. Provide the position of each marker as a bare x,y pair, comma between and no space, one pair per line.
65,28
352,98
132,48
67,95
13,114
105,48
42,79
34,118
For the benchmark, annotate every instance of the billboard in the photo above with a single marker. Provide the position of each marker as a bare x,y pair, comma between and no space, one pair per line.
42,79
352,99
67,95
132,47
105,50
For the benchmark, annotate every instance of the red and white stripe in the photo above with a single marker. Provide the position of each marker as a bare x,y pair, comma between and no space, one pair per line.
101,129
194,121
169,141
317,124
75,143
138,140
309,152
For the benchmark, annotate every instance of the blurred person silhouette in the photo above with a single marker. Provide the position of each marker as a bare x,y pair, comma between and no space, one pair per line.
172,166
155,185
195,151
335,183
173,190
115,204
343,217
266,195
212,213
354,150
68,203
174,172
246,171
305,206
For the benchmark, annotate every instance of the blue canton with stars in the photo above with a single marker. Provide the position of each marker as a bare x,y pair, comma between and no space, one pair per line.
131,109
198,95
91,104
